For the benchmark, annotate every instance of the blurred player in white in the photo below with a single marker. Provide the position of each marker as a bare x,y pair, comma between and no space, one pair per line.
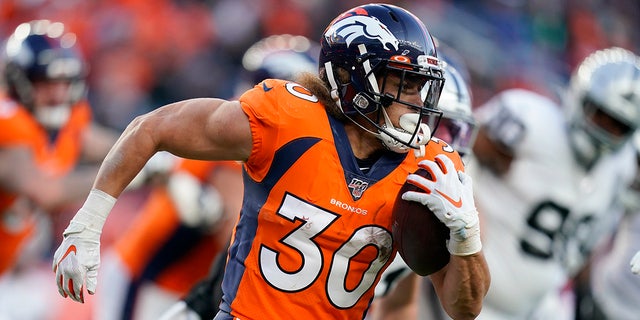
545,177
613,291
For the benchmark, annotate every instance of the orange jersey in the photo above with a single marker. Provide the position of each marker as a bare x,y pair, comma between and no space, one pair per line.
314,234
20,129
157,247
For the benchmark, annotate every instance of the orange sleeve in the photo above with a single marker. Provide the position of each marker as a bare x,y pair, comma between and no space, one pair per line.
202,169
198,168
17,125
278,111
155,222
259,103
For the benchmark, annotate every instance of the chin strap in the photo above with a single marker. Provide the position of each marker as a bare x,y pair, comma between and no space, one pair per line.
332,82
401,140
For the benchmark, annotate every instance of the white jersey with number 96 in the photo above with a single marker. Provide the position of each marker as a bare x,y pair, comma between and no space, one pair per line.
540,219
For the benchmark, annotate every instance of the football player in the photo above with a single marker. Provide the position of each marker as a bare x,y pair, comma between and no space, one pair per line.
547,177
323,160
612,290
396,290
46,131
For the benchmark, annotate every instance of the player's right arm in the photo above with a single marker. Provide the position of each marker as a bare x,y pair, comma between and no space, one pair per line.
206,128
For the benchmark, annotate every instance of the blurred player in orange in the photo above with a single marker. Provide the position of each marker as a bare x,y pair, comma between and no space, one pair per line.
323,161
46,131
184,223
187,221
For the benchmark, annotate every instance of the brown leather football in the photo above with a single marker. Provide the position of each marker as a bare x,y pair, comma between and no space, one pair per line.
418,235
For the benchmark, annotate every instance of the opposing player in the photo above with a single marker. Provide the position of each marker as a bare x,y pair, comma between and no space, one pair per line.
613,290
281,56
547,178
46,130
323,162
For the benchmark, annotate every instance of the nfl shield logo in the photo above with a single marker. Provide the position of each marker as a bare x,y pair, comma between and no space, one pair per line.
357,187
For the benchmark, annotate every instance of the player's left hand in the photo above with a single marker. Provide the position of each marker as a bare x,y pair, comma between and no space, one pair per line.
635,263
449,194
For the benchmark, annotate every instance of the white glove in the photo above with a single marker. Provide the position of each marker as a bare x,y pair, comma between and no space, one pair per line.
197,204
635,263
449,194
77,259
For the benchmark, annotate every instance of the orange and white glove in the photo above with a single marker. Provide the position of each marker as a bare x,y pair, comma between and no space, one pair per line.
77,259
449,194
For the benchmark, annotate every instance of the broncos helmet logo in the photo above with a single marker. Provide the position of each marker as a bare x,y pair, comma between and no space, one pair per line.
353,27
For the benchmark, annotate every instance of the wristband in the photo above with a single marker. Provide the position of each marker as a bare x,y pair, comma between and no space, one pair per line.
465,241
93,213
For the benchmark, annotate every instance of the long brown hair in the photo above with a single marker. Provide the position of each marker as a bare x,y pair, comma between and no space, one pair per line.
318,86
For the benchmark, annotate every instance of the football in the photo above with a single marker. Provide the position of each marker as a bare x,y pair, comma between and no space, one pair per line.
418,235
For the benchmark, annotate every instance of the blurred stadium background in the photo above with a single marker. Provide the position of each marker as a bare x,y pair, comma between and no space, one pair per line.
146,53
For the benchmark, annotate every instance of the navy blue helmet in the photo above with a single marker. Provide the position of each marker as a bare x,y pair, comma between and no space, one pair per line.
38,51
369,43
